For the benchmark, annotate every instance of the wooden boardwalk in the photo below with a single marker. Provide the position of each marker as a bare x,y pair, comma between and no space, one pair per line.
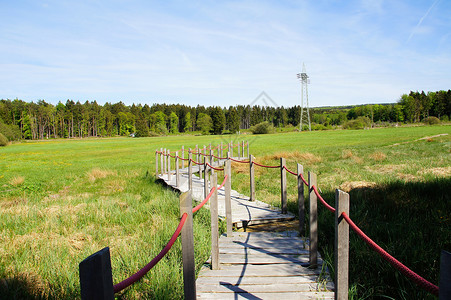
257,265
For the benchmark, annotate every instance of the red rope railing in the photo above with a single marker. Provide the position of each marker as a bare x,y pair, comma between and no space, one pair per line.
303,179
420,281
196,162
138,275
322,200
199,206
240,161
217,169
264,166
289,171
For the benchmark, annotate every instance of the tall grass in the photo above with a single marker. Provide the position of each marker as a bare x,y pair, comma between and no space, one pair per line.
62,200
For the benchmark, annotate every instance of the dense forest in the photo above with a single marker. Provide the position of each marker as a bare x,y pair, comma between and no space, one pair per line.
42,120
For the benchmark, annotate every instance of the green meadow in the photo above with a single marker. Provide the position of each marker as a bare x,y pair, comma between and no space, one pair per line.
62,200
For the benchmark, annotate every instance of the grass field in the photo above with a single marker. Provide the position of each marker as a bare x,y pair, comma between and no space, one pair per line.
63,200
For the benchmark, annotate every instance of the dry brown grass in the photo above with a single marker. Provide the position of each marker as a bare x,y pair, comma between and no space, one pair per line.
378,156
306,157
407,177
346,154
350,185
17,180
439,172
385,169
97,173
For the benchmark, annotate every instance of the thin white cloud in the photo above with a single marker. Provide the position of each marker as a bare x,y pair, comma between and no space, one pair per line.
417,27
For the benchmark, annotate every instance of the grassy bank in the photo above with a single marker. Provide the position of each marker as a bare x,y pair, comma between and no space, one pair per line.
62,200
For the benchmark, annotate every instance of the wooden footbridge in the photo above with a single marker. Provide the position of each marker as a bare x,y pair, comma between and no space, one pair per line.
252,265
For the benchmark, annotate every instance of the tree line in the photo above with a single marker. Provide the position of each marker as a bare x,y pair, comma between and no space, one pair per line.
41,120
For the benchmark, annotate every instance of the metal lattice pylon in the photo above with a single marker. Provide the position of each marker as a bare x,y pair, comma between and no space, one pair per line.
305,114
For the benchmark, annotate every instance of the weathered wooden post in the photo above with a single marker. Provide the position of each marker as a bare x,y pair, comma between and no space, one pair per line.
161,161
445,276
214,225
96,280
283,185
198,160
156,163
238,149
242,148
183,157
211,161
301,200
206,189
251,178
228,190
190,170
219,155
313,221
231,149
177,173
189,271
169,166
220,151
341,245
247,148
165,160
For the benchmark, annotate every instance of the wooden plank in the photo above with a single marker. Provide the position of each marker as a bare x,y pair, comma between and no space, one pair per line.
252,251
266,296
227,287
260,270
260,280
263,259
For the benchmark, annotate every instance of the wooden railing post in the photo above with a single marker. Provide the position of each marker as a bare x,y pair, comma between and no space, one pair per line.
206,189
161,161
445,276
177,173
96,279
301,200
169,165
190,170
211,161
214,225
189,270
251,178
198,160
238,149
283,185
228,190
247,148
313,221
156,163
242,148
165,160
220,151
183,157
219,155
341,245
231,149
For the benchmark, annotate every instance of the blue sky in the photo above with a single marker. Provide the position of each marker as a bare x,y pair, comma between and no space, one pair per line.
223,52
